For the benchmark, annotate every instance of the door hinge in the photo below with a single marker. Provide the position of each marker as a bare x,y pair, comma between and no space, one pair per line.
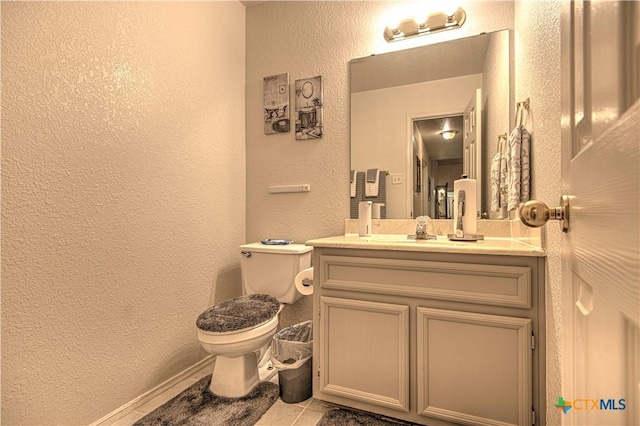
318,371
533,341
533,415
318,312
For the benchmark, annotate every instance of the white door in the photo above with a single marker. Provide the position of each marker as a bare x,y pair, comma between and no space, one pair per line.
600,253
471,141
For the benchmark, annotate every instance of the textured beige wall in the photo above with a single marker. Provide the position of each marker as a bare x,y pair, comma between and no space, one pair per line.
307,39
537,47
123,196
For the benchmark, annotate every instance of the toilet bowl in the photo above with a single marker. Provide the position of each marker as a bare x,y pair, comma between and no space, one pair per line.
233,331
237,330
237,343
236,366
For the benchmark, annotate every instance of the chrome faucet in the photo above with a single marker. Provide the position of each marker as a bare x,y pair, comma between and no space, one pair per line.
421,229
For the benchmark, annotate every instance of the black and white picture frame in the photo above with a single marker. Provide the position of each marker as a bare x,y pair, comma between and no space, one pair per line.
276,104
308,114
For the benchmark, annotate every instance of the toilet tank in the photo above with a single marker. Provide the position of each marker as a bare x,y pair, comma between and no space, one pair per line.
271,269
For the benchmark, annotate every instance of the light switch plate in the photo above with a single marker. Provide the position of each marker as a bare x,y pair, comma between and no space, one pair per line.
396,179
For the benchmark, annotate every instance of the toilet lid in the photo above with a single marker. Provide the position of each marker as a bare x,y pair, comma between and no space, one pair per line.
239,313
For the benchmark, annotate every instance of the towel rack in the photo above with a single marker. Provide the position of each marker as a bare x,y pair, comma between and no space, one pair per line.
521,107
386,172
502,140
524,104
279,189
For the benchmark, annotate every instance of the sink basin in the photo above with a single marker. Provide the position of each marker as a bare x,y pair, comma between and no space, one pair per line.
391,238
401,242
401,238
387,238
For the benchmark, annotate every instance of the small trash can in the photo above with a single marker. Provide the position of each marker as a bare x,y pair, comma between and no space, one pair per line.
291,352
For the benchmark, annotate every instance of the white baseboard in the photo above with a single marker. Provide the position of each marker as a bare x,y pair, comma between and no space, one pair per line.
138,402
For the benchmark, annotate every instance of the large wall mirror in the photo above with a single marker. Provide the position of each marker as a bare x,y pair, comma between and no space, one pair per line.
404,102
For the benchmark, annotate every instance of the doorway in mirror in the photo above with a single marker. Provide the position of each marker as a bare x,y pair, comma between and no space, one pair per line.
438,147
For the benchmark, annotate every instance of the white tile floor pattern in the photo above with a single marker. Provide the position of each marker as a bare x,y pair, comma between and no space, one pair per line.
305,413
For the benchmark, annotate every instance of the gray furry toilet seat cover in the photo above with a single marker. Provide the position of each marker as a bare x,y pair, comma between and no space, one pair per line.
239,313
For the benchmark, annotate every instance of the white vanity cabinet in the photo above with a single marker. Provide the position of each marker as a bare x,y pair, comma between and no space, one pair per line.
428,337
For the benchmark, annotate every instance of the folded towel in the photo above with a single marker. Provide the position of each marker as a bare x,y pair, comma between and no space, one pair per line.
354,183
371,184
499,174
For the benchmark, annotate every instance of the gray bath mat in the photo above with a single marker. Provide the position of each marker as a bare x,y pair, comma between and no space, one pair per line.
343,417
198,406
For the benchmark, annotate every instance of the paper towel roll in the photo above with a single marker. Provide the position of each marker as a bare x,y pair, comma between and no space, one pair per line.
376,211
469,220
364,218
304,281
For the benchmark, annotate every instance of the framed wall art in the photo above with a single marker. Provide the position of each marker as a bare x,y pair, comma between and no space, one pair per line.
308,113
276,104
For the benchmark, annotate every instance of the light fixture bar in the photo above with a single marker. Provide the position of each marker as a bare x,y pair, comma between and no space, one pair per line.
435,22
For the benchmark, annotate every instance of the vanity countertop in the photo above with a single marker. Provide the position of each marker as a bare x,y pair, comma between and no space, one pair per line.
489,246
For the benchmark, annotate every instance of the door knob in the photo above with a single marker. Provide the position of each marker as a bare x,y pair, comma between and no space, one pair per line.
535,213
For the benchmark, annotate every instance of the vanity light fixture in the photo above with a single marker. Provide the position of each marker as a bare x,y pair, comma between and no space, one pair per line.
435,22
448,134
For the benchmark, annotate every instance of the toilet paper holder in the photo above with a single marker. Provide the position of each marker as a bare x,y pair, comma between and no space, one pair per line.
304,281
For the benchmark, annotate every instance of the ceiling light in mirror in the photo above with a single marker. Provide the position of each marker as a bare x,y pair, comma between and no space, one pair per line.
448,134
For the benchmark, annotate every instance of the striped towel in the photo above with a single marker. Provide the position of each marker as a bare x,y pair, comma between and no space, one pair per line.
495,182
525,174
518,165
499,173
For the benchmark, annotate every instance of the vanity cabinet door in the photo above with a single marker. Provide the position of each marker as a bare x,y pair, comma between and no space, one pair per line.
474,368
364,351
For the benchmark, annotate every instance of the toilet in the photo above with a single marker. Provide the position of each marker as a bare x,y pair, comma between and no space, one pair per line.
239,331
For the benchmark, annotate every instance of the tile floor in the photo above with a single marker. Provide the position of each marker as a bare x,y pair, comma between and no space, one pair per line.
305,413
